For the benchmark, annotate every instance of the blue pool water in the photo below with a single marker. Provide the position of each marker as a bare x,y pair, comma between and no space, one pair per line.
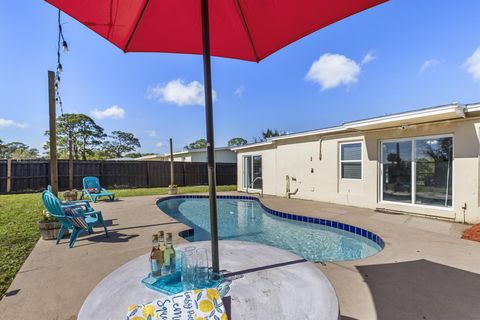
246,220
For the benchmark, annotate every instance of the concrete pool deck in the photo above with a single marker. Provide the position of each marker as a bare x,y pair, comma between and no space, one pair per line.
425,271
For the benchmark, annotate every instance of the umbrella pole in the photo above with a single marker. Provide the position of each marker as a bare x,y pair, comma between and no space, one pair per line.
212,192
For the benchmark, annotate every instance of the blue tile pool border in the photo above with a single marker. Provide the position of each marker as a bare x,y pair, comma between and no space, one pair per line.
288,216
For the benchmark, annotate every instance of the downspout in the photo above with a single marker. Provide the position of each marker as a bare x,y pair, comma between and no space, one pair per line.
290,194
320,148
287,188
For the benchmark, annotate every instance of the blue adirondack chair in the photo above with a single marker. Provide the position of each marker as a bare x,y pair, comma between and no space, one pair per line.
90,183
84,219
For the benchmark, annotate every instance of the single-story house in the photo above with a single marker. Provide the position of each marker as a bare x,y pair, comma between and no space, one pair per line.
222,155
423,162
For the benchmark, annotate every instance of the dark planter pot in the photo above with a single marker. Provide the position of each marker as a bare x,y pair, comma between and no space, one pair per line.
49,230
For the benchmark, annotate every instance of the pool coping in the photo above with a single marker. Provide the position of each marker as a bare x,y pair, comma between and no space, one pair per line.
288,216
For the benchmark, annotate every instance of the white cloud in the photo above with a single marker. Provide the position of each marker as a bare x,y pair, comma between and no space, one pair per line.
114,112
333,70
180,93
472,64
152,133
369,57
159,144
428,64
239,91
4,123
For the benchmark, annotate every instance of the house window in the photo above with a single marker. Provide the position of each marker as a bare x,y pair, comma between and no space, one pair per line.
418,171
351,160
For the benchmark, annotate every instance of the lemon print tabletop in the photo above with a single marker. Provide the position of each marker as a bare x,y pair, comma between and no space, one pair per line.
204,304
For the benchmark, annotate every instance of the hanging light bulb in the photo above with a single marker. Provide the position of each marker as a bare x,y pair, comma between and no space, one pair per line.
59,68
65,46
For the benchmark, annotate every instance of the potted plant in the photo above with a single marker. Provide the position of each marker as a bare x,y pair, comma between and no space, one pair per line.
70,195
48,226
172,189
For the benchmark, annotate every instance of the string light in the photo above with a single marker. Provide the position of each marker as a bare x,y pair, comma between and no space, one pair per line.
61,45
64,45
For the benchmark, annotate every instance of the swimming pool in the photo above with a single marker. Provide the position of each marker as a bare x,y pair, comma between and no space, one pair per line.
246,219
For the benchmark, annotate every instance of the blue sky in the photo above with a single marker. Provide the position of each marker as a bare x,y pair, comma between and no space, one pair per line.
401,37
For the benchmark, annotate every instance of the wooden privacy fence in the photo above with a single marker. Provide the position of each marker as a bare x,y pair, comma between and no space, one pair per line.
17,176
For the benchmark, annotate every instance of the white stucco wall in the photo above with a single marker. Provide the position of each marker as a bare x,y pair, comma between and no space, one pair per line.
318,179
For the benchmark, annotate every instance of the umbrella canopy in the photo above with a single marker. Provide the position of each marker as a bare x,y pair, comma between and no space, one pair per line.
241,29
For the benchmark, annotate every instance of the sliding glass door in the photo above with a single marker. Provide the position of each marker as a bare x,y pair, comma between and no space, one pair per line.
433,168
397,171
252,172
418,171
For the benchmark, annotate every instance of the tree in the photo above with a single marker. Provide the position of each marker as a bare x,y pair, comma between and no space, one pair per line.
269,133
199,144
77,134
234,142
134,155
24,154
89,135
119,143
17,150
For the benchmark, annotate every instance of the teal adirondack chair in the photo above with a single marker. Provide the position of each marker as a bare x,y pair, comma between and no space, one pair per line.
93,183
84,220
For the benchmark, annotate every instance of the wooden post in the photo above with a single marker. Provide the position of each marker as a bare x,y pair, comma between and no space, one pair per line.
102,173
53,133
9,175
171,163
147,167
70,163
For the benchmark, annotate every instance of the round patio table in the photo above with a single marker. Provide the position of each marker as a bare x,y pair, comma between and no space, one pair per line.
267,283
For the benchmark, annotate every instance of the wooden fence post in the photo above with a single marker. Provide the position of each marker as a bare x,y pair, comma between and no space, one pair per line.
102,173
70,163
147,163
53,132
9,175
184,174
171,163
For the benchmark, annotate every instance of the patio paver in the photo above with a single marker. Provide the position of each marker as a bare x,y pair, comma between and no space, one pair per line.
421,274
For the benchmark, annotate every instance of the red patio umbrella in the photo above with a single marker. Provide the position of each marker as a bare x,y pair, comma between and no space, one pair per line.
241,29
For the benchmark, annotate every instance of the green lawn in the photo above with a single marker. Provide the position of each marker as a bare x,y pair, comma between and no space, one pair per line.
18,228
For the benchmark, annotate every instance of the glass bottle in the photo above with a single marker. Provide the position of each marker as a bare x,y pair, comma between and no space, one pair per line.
161,241
169,265
161,247
156,258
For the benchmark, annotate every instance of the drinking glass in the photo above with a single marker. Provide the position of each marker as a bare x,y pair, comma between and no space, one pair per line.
189,248
201,270
188,269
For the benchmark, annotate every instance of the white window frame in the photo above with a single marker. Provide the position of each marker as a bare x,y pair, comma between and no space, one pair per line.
243,170
414,174
340,161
